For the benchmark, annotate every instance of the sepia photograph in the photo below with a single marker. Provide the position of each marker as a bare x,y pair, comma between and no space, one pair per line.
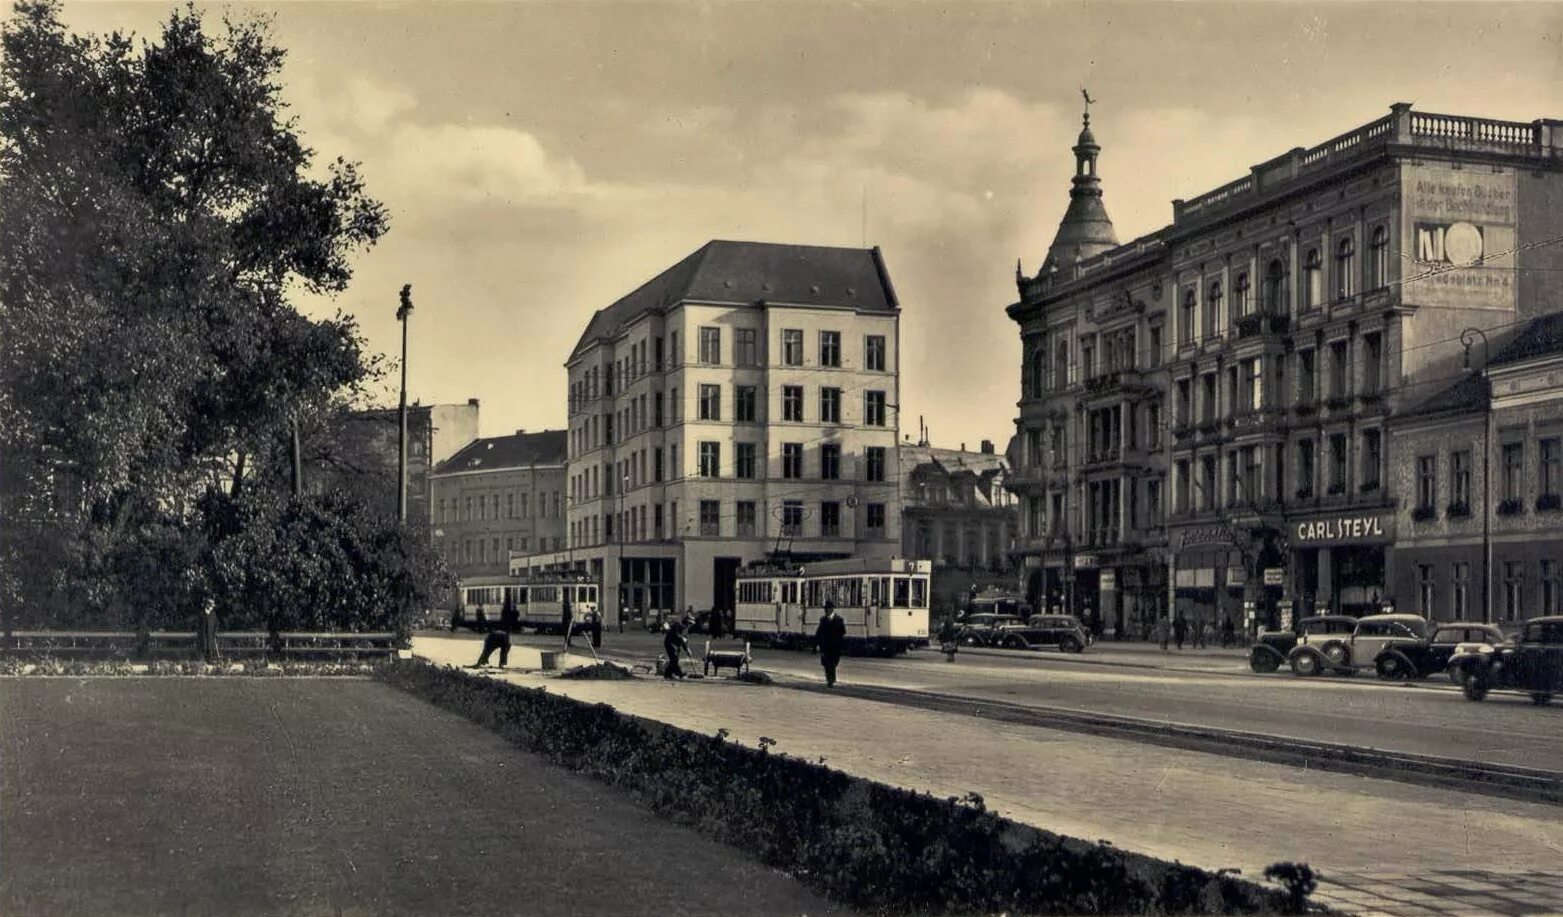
781,458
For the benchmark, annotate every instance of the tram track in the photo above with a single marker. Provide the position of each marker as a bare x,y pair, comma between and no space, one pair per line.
1490,779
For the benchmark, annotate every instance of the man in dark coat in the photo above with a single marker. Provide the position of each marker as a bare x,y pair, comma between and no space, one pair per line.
673,643
829,637
1180,629
566,616
497,639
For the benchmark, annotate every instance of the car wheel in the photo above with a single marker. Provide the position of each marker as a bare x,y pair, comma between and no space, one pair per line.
1263,663
1070,645
1390,669
1014,643
1305,665
1336,654
1475,686
1540,698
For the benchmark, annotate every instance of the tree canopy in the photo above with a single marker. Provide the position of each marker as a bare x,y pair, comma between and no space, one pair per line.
160,211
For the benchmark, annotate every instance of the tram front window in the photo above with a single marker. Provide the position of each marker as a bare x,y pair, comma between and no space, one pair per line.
902,592
919,593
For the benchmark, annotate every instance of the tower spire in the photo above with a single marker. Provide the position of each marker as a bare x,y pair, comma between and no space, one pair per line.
1085,229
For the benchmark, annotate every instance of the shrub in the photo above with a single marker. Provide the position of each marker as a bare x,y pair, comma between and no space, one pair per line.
875,847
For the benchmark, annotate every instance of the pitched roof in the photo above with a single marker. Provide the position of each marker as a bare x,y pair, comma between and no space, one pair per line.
1542,337
518,450
952,461
748,272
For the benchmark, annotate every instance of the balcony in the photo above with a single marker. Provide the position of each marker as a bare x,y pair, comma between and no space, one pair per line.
1125,381
1257,323
1258,420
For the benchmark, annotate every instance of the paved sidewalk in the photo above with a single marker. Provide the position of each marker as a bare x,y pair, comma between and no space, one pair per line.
1138,655
1378,837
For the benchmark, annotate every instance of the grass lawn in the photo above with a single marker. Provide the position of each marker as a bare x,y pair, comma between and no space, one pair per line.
321,796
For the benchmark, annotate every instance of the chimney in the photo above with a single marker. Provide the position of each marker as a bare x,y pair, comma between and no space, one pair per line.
520,432
472,402
963,447
987,447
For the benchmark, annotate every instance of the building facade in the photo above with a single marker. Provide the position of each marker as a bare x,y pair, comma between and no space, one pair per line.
1209,402
741,402
1446,568
955,510
498,496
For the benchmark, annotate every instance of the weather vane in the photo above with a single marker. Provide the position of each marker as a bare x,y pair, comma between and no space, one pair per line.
1088,101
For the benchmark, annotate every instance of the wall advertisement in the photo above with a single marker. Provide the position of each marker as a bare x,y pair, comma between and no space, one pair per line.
1459,235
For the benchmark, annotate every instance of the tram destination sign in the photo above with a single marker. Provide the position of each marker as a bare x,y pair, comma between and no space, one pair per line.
1372,529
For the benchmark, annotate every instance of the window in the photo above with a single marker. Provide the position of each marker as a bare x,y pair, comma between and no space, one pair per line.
746,347
1426,482
510,506
1372,459
792,460
875,520
874,353
1345,268
873,409
1207,410
1305,469
442,509
656,355
792,403
1155,347
830,405
1313,280
1275,288
744,404
792,347
656,464
1550,588
1087,358
1547,454
656,406
874,463
1513,458
830,519
1207,480
1372,363
1307,384
1338,463
710,460
1513,589
830,462
1339,366
1242,302
1185,416
1460,590
830,348
710,402
1153,425
1460,479
1427,594
711,345
607,429
1213,308
1152,502
792,517
745,515
1186,319
1378,273
744,459
1181,483
710,517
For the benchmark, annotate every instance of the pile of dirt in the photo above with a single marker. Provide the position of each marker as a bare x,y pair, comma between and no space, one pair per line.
602,671
754,678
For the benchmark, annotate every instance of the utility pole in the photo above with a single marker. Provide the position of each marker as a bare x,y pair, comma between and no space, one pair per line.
1467,338
403,313
1166,519
623,533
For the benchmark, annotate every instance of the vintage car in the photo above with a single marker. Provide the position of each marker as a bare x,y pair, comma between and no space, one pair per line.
1395,645
1450,637
1274,648
1532,665
986,629
1063,631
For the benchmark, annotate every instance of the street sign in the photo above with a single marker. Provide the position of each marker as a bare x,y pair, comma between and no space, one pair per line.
1085,561
1272,576
1109,581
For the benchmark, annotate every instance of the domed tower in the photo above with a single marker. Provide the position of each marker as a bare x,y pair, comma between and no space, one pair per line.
1085,229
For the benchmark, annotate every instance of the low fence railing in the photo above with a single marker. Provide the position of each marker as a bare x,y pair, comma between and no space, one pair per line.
159,644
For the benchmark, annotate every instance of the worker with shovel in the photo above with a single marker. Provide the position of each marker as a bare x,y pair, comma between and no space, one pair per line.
675,642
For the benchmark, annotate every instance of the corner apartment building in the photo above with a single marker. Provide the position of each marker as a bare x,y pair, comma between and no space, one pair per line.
741,402
1213,397
497,496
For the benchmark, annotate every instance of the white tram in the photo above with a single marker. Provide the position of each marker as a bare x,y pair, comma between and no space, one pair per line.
539,600
884,602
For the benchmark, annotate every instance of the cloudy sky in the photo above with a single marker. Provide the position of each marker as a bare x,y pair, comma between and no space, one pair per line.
540,160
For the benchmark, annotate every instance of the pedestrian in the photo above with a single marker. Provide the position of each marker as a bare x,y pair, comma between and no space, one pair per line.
455,618
674,642
828,638
510,615
566,617
1180,629
497,639
208,630
1197,632
1228,632
715,623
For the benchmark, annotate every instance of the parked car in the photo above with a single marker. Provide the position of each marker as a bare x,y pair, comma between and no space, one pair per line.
1063,631
985,629
1450,637
1533,664
1395,645
1275,648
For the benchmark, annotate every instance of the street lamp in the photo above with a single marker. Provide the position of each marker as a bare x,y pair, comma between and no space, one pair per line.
623,526
1467,338
403,312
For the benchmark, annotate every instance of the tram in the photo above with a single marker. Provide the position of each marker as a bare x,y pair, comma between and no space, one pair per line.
539,601
884,602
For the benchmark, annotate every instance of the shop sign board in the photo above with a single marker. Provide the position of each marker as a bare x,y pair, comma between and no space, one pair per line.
1272,576
1218,535
1375,528
1085,561
1109,581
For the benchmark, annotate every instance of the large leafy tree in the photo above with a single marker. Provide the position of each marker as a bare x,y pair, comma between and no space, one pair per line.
159,212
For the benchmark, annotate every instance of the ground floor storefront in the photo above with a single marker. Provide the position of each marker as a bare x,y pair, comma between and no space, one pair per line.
1118,595
1445,581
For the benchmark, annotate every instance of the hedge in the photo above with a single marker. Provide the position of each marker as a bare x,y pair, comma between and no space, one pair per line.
875,847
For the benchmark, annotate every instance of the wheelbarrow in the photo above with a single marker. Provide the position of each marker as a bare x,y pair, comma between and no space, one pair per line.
737,660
